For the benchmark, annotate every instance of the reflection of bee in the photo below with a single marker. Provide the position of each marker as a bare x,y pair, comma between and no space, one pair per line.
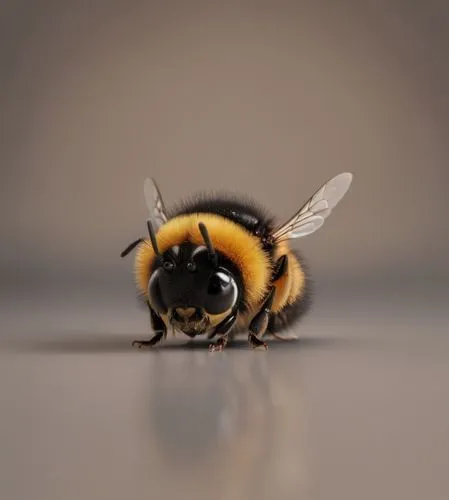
237,431
216,264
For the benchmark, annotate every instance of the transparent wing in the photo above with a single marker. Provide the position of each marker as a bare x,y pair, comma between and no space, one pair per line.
313,213
155,203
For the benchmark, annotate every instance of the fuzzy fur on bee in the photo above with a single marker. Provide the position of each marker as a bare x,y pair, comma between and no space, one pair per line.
217,265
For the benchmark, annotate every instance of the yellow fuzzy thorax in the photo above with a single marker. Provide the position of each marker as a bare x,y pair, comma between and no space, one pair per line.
229,238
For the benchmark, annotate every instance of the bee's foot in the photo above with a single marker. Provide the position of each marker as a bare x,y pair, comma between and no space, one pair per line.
255,341
219,345
140,344
216,348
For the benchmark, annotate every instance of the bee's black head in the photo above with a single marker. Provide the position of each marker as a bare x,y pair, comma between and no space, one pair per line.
194,286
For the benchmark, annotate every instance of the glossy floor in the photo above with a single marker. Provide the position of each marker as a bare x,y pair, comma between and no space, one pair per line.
357,409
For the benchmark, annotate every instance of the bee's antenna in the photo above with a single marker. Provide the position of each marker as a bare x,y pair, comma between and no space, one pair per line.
167,265
130,247
208,241
152,235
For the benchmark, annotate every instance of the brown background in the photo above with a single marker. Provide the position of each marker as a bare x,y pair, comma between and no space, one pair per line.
270,99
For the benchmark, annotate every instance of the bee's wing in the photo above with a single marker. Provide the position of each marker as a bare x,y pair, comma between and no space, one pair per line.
312,214
155,203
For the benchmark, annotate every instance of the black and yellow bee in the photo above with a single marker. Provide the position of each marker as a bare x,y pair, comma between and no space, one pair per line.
217,265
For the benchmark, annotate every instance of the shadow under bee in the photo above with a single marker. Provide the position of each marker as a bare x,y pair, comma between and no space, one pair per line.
83,342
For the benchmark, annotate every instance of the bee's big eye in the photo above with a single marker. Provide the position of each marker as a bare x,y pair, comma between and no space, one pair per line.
218,283
155,295
221,293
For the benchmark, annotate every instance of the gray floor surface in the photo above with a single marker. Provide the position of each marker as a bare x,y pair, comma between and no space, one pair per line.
358,408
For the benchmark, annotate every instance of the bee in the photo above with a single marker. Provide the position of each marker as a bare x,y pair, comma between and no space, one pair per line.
216,265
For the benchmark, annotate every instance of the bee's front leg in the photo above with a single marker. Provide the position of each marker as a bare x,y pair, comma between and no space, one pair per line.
223,329
159,328
259,323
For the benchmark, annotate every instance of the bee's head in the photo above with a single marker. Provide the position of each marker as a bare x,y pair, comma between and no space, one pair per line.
193,286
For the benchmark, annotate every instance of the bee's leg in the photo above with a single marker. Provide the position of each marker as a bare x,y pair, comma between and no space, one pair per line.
280,268
223,329
159,328
259,323
156,338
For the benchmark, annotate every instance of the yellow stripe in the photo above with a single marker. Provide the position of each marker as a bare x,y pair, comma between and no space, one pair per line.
290,286
229,238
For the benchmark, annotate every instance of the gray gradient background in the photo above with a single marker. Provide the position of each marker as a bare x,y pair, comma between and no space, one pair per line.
268,99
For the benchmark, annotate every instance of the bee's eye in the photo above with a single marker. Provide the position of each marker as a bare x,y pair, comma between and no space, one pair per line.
221,293
191,266
155,295
168,266
218,283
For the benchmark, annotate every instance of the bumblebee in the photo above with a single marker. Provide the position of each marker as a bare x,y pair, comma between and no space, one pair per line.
216,265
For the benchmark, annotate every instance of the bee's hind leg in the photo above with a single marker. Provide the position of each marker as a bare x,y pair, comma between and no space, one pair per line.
223,329
159,328
259,323
280,269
